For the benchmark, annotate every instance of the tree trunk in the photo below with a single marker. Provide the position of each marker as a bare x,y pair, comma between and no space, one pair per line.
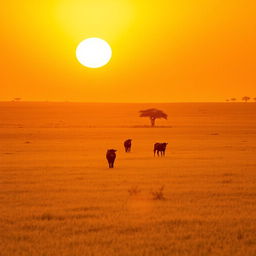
152,120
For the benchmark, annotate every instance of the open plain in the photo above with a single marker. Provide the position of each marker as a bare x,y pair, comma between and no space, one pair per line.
59,198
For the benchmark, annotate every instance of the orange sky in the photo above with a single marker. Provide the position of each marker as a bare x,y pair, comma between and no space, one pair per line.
163,51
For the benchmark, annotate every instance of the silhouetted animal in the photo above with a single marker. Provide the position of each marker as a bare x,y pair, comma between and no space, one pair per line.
160,147
128,145
111,156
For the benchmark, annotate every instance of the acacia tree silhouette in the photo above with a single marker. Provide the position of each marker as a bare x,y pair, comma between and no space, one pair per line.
153,114
246,98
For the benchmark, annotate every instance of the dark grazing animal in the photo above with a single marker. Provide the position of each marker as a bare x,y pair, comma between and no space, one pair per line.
160,147
128,145
111,156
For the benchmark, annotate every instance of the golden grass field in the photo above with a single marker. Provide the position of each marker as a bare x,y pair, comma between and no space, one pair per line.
59,198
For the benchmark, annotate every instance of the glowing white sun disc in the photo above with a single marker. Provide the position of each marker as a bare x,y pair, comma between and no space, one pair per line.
93,52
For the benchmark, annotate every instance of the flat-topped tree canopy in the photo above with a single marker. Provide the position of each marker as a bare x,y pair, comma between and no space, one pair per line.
246,98
153,114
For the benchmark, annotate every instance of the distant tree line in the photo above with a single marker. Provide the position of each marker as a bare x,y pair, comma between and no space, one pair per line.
245,99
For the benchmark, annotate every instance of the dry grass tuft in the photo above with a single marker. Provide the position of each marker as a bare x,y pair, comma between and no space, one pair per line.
48,217
240,235
228,181
158,194
133,191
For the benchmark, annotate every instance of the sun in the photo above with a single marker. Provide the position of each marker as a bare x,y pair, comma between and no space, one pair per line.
93,52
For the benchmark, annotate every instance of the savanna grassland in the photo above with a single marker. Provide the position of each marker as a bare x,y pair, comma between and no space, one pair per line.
58,196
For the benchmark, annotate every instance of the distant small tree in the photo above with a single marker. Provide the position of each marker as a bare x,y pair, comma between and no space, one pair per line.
246,98
233,99
227,100
17,99
153,114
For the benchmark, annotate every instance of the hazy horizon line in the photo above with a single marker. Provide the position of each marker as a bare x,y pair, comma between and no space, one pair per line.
118,102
